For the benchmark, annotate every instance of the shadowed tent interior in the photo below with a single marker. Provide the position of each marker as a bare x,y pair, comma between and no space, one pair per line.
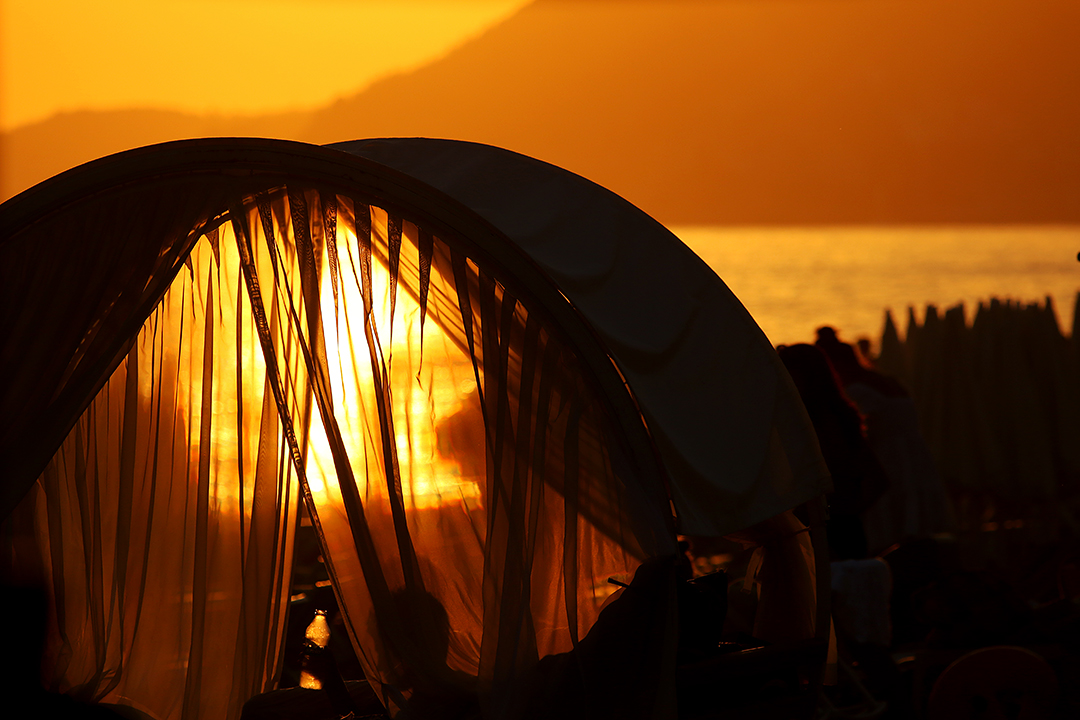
492,383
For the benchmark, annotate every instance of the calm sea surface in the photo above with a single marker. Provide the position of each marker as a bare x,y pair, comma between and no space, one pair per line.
795,279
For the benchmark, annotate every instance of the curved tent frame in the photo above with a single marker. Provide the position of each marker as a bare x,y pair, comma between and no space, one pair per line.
241,165
551,232
704,417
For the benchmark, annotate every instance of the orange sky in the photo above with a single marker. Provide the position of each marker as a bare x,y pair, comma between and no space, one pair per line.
699,112
62,55
702,112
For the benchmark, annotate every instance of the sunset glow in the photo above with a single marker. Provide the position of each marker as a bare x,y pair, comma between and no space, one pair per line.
425,396
700,113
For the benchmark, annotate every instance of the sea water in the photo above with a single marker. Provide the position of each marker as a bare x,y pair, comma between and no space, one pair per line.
796,279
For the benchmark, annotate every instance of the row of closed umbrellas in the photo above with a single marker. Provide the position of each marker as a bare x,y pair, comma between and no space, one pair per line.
998,398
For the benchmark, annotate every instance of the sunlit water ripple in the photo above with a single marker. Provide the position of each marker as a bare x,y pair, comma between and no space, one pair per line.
795,279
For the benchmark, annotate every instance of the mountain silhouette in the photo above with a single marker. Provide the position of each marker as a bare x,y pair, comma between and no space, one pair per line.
40,150
737,111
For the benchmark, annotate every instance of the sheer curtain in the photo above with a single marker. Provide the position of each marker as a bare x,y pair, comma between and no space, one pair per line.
76,284
163,526
470,493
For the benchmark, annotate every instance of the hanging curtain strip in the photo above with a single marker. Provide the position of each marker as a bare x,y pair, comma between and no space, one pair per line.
461,282
212,238
425,251
262,614
310,263
410,566
157,356
504,557
494,395
193,685
393,244
517,635
362,215
570,517
504,428
128,443
548,364
329,205
240,410
97,571
528,434
243,243
51,486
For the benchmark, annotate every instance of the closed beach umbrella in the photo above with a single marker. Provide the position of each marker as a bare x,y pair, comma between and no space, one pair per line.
927,379
893,360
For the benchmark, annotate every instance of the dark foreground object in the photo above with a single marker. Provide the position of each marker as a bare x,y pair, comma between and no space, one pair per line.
311,704
760,683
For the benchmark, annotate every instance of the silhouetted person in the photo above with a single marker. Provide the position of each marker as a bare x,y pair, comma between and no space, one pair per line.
611,671
858,478
419,646
845,361
915,504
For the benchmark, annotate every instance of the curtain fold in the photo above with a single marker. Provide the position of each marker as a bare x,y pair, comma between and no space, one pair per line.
92,297
163,527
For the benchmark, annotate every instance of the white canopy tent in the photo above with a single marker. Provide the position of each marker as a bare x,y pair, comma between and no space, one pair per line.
490,380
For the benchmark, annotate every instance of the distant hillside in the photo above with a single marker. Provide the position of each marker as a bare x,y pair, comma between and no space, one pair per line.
36,152
776,111
731,111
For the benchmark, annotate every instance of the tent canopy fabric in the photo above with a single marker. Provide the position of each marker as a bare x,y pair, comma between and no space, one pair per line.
727,422
489,380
